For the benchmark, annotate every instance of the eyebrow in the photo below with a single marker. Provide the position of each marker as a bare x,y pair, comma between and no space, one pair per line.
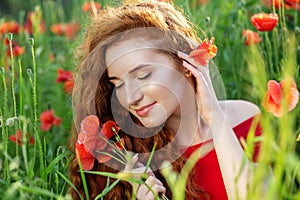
131,71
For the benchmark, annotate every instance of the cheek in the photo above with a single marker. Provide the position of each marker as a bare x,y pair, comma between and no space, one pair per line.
121,97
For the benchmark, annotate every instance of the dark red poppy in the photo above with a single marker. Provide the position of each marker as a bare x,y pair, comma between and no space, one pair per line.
63,75
48,119
264,21
251,37
204,52
18,138
10,27
277,95
87,160
110,128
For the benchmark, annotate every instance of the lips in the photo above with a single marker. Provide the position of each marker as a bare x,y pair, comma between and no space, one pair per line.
144,110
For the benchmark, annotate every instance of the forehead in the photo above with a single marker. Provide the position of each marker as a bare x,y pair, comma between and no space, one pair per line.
125,55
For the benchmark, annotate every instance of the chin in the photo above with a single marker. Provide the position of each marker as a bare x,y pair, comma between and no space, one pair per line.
152,122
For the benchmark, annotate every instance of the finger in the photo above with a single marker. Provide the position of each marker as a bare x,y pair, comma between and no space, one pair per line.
154,192
130,164
200,78
149,183
150,189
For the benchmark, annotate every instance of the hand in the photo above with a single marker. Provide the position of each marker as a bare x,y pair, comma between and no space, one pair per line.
152,186
205,94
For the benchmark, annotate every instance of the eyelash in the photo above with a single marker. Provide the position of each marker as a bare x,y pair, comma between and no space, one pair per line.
145,76
140,78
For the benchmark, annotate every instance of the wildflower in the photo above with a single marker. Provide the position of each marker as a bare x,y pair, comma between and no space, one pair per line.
280,95
63,75
48,119
204,52
68,86
97,141
16,50
10,27
32,19
264,22
68,29
18,138
110,128
293,4
87,6
251,37
67,78
87,160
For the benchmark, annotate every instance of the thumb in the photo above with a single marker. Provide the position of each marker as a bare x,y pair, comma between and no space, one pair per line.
131,163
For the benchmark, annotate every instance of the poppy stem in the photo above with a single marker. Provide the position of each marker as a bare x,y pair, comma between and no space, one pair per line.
269,52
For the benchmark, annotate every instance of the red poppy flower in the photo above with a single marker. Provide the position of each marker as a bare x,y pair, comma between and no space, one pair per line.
96,140
68,87
264,22
120,144
110,128
63,75
93,139
18,138
293,4
10,27
17,50
277,95
204,52
87,6
69,29
48,119
28,27
251,37
87,160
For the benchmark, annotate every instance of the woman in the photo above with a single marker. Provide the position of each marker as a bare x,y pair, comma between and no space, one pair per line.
135,69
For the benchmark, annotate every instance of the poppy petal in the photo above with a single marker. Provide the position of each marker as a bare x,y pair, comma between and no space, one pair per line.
275,91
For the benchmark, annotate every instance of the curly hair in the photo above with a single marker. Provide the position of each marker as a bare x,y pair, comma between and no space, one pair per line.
99,99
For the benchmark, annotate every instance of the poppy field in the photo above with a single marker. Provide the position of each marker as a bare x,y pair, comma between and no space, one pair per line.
258,58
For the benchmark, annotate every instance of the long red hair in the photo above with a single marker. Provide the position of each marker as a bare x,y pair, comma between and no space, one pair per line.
90,97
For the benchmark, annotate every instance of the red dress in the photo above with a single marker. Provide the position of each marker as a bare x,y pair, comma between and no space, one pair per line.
207,170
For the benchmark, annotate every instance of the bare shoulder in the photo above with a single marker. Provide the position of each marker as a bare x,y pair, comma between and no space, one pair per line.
237,111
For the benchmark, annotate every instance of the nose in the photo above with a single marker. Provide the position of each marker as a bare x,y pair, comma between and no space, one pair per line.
134,95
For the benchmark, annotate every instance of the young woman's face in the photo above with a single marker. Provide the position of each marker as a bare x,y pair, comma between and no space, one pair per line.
146,81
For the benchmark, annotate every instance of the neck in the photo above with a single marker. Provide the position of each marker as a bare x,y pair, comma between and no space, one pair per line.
188,126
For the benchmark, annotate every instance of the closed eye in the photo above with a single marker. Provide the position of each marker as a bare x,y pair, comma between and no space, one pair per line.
119,85
144,76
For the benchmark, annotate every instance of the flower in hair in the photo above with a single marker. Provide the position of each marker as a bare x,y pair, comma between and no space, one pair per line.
204,52
97,142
